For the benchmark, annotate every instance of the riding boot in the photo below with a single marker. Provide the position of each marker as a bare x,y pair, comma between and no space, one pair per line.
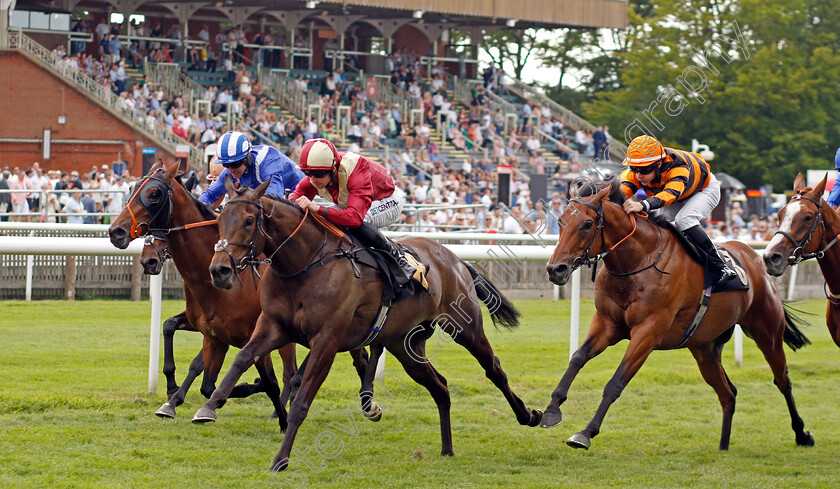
373,238
704,244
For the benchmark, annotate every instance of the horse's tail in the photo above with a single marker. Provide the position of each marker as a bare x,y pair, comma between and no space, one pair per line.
794,337
501,310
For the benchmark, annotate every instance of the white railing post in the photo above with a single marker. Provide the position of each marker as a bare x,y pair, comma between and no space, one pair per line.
30,265
792,282
155,293
574,326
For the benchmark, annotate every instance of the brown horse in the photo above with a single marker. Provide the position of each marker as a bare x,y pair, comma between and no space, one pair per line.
154,254
648,292
809,228
160,206
315,296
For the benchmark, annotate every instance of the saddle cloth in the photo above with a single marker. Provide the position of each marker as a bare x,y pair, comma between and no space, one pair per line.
741,282
382,261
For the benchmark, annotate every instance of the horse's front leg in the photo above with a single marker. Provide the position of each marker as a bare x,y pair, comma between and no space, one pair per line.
170,326
266,337
642,343
832,320
272,388
321,358
601,335
168,408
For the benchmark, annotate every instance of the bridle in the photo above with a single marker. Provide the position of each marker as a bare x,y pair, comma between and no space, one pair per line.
590,261
158,221
162,252
798,254
251,258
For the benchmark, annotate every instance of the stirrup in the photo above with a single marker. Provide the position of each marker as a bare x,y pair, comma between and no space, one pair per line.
419,273
726,274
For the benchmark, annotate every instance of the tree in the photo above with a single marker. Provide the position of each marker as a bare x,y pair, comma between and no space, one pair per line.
510,47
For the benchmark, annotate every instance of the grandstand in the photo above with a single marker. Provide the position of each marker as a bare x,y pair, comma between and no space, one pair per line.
105,86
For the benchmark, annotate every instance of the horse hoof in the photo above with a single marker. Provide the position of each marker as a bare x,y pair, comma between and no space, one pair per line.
536,417
280,466
204,415
806,441
375,413
579,441
551,418
166,411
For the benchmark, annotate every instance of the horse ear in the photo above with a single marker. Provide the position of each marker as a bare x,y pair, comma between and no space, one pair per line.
798,183
172,169
604,193
157,164
229,185
262,188
819,190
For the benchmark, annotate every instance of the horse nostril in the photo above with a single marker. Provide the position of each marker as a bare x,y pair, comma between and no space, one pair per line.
774,259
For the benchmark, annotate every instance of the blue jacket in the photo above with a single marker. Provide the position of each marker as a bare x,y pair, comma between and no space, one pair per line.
834,197
270,164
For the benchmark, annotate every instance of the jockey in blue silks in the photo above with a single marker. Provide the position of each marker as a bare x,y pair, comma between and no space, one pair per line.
250,166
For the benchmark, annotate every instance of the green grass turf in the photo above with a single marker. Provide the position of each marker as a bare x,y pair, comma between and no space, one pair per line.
74,412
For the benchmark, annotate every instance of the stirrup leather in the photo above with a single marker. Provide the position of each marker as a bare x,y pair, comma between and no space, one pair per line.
420,270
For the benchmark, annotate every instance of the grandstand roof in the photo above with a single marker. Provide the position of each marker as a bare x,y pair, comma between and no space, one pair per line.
530,13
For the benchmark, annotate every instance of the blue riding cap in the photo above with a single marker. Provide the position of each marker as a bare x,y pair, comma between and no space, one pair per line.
232,146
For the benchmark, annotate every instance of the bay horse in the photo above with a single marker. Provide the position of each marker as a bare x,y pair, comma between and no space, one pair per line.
161,206
154,254
316,297
809,228
648,293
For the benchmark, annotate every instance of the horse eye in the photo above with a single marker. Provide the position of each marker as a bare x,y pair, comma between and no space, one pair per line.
586,226
249,221
809,218
154,194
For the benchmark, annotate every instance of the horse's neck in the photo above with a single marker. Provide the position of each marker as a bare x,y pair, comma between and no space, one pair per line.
191,249
640,247
830,263
281,221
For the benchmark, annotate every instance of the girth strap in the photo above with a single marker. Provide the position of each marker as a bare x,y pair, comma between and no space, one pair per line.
698,318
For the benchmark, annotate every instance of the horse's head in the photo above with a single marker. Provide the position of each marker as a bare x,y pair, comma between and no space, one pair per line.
154,254
799,221
241,233
148,207
581,222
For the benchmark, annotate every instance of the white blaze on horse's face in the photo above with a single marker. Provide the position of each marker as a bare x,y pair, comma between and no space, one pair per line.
791,210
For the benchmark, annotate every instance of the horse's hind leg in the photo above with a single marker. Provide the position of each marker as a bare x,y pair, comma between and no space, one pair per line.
708,360
771,347
424,374
214,357
475,341
369,407
288,355
600,336
637,352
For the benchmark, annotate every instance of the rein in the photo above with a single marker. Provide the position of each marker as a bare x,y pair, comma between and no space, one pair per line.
250,258
585,259
798,254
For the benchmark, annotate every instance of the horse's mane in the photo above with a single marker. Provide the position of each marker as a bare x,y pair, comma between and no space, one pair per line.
588,186
207,212
282,200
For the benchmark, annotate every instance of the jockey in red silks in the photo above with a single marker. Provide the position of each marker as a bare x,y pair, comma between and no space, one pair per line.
365,197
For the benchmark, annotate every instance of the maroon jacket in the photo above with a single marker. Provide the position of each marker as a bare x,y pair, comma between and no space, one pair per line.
359,181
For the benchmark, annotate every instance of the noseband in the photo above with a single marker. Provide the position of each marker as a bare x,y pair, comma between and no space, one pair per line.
798,254
158,220
162,252
584,258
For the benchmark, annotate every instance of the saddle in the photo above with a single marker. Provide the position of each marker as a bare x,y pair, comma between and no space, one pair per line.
382,261
741,283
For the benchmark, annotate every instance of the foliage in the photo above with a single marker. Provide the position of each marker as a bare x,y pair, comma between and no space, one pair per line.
75,413
510,47
766,112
